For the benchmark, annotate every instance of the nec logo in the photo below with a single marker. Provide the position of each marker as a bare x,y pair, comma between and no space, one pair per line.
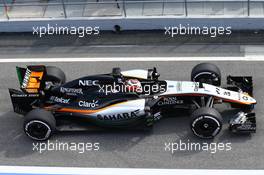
88,83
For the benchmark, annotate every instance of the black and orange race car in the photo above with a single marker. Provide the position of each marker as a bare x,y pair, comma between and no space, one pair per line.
128,99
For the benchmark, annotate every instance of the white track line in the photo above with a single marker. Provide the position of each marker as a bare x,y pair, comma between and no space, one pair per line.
127,171
120,59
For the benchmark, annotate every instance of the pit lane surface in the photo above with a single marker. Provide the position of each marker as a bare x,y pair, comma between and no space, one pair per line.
135,149
130,44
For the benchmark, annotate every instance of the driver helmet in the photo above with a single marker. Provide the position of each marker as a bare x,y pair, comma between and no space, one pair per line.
133,85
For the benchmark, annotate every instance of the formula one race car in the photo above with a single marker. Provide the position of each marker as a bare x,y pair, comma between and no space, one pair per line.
129,98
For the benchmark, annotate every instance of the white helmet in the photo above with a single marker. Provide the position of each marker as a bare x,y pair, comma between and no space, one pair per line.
133,85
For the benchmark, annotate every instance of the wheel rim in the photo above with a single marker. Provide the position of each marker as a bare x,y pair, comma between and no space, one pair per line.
37,130
206,126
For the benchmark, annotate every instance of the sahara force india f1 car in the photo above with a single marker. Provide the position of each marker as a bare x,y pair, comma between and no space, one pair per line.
130,98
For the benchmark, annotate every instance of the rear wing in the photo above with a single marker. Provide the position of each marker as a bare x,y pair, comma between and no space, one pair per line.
31,78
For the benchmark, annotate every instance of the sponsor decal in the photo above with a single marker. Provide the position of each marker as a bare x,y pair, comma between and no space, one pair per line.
245,98
124,88
223,92
72,91
25,95
170,101
31,82
179,86
246,127
60,100
92,104
26,79
196,87
119,116
88,83
19,95
227,93
157,116
217,91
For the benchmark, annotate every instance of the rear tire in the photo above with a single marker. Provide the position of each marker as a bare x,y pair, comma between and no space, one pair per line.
39,124
206,122
55,75
206,73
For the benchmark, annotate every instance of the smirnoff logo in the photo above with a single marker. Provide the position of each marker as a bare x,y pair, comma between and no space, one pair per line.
26,79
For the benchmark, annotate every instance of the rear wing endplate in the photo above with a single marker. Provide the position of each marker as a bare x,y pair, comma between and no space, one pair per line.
31,78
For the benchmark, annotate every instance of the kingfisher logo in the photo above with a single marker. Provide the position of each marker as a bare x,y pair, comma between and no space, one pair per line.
71,91
120,116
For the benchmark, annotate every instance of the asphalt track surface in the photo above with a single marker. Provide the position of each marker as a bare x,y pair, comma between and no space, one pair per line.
135,149
130,43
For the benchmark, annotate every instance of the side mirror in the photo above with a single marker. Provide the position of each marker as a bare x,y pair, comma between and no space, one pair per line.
116,72
155,74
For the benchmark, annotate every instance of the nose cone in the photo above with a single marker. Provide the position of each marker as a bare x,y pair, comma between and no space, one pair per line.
248,99
253,101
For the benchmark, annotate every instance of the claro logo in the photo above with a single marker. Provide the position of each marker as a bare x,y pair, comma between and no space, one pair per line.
120,116
91,104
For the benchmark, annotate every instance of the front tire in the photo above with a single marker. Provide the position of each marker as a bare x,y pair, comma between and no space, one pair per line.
206,122
39,124
206,73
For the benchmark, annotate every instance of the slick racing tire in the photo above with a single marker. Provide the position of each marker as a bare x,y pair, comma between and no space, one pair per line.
206,122
39,124
55,75
206,73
